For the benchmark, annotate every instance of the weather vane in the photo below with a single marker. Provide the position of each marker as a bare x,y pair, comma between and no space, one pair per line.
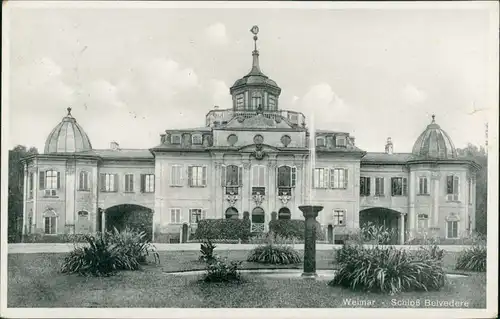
255,31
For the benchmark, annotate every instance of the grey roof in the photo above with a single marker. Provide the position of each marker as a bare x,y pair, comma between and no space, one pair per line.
120,153
377,157
67,137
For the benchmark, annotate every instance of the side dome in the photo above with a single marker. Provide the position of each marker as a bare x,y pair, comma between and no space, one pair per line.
434,143
67,137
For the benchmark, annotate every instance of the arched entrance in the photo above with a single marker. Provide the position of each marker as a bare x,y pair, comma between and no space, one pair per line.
231,213
381,220
258,220
284,213
133,216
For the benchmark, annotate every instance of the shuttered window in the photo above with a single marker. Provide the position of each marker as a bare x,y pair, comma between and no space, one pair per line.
147,183
108,182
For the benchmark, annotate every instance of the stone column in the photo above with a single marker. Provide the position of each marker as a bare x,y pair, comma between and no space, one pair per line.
25,197
219,195
157,211
246,189
70,182
435,200
468,183
412,187
401,228
103,221
36,185
299,191
272,196
310,214
95,196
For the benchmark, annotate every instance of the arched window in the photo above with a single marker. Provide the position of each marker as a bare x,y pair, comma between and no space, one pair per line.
231,176
231,213
50,222
284,213
258,216
83,182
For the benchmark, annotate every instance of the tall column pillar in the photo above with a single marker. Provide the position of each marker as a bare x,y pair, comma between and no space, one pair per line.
25,197
70,182
157,211
435,200
219,195
36,186
95,197
103,221
412,187
466,203
272,196
298,194
401,228
310,214
246,189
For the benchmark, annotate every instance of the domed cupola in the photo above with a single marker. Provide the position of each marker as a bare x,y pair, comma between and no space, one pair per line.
434,143
67,137
255,89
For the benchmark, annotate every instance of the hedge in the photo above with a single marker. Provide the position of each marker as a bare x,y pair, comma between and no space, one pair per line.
293,229
223,229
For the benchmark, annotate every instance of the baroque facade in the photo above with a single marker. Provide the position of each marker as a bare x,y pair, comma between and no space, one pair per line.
254,158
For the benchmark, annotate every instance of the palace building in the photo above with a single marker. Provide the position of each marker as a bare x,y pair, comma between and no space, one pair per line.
254,159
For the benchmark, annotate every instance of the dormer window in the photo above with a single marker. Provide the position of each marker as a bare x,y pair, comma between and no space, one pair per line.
320,141
196,139
340,141
175,139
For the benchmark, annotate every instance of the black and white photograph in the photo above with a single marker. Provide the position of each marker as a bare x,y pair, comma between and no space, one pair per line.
249,159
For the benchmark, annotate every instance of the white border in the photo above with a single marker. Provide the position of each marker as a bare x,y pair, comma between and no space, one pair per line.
492,271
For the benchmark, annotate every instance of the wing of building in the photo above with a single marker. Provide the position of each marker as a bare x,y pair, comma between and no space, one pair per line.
253,158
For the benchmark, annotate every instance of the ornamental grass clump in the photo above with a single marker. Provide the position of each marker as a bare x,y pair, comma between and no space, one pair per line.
274,254
472,259
207,251
106,254
388,270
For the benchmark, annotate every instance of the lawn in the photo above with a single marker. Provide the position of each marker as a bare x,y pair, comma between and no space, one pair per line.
34,281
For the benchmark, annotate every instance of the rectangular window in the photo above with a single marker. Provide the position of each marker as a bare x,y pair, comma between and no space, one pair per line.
423,222
195,215
256,101
129,183
338,217
422,186
30,185
51,180
232,176
364,186
196,139
175,139
340,141
83,182
379,186
338,178
320,178
240,102
109,182
272,102
50,225
147,183
287,176
176,175
197,176
470,191
399,186
320,141
452,229
452,187
175,216
259,176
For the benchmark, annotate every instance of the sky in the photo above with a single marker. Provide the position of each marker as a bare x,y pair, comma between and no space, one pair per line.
130,74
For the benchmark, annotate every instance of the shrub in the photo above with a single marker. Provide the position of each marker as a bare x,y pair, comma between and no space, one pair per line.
62,238
430,252
106,254
223,229
388,270
274,254
207,251
134,245
472,259
347,250
379,234
98,259
220,270
293,229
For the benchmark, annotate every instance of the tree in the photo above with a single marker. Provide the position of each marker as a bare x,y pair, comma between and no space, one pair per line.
16,187
480,156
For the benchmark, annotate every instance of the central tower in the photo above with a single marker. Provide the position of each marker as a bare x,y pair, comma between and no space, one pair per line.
255,89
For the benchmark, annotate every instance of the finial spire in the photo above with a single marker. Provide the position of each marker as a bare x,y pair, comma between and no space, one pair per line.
255,53
433,118
69,111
